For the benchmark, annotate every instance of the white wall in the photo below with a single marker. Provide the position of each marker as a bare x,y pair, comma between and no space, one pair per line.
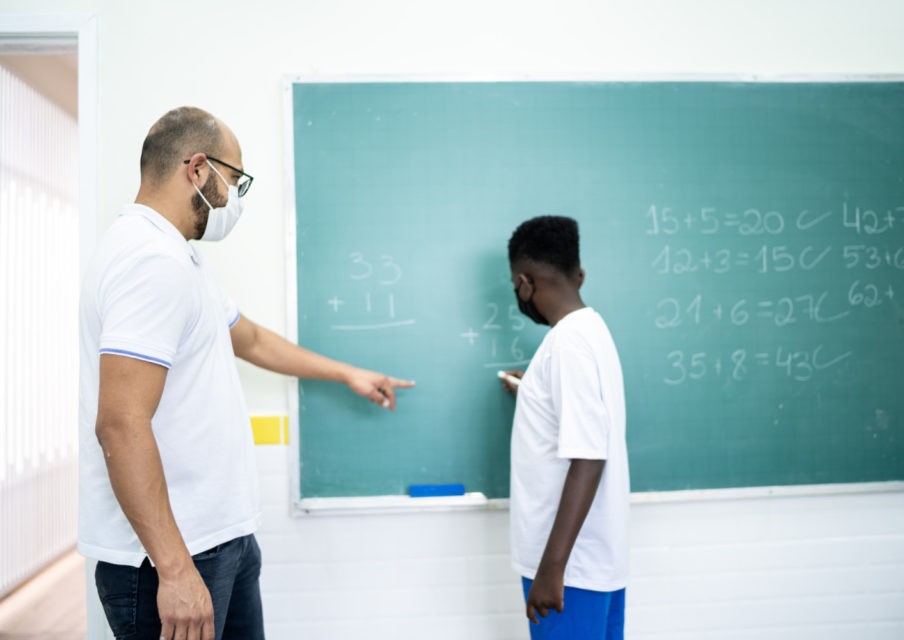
813,567
783,568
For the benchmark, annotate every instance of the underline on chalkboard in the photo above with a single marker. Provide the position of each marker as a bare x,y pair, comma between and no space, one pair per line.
497,365
371,327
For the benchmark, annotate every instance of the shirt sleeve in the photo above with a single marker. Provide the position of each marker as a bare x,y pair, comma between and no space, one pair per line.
584,420
232,311
147,308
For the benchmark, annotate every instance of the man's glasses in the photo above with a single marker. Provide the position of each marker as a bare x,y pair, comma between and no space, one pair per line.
244,181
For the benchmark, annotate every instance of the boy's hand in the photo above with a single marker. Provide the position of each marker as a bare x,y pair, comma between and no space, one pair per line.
508,386
546,593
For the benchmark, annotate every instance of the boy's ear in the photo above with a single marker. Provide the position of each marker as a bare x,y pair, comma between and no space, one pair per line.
525,286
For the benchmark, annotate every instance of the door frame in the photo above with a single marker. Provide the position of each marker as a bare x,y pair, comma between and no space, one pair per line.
48,34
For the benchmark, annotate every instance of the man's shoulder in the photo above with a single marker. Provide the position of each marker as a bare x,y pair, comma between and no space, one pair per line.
133,239
129,257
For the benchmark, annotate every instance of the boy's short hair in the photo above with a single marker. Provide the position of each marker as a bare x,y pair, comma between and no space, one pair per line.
551,240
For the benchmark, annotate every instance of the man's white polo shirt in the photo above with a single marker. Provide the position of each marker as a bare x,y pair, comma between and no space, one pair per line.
147,295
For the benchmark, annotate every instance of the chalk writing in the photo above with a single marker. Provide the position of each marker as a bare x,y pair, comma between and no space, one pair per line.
502,349
753,221
739,364
773,245
763,259
869,222
376,299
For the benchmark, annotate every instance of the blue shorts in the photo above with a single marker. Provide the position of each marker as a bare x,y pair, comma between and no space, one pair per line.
588,615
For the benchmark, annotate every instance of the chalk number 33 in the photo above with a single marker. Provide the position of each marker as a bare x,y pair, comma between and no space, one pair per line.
386,271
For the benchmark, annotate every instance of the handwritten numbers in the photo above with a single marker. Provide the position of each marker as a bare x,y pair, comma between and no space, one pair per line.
490,324
738,359
509,353
516,318
868,222
672,312
387,272
663,221
371,303
361,269
866,295
390,272
800,365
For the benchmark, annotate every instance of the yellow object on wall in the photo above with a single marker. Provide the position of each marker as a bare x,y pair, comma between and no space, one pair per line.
270,429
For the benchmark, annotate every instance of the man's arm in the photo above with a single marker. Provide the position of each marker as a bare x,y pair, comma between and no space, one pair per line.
130,391
548,589
267,350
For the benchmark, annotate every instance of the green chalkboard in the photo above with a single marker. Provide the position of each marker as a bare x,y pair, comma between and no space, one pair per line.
744,241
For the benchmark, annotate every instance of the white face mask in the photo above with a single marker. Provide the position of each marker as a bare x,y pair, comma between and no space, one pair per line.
221,220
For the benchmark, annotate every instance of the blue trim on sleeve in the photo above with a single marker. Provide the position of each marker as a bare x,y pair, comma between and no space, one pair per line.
238,314
139,356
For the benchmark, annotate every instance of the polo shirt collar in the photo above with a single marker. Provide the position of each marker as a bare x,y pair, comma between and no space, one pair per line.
161,224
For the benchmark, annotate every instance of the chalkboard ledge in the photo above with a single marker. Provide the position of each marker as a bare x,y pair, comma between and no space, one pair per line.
478,501
392,504
741,493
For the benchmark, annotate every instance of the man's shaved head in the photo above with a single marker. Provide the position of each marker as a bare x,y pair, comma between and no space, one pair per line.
175,137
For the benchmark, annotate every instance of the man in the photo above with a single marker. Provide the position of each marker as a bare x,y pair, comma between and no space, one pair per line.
169,497
569,482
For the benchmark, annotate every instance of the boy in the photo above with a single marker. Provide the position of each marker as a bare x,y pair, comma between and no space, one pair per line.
569,482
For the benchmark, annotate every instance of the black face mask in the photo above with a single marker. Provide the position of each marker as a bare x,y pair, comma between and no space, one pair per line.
529,309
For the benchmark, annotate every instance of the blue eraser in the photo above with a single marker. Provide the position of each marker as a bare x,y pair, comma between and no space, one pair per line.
431,490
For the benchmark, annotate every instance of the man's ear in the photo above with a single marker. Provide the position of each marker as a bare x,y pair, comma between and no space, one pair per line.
196,169
580,279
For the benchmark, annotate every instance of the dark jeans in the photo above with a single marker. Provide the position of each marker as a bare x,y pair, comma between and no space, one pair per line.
230,571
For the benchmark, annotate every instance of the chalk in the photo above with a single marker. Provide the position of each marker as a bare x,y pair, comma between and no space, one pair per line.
512,380
432,490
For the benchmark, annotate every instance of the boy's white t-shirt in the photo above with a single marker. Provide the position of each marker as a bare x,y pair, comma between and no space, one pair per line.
147,295
571,404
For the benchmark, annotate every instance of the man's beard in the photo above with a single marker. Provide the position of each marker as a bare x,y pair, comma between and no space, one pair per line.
200,208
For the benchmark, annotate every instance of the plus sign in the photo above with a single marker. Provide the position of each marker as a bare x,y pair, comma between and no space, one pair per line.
470,335
334,302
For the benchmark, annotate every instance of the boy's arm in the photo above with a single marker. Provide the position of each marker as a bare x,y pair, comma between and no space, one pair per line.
548,589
